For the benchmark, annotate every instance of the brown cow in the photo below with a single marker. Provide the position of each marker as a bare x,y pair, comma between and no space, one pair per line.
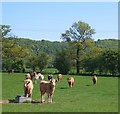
28,88
94,79
49,88
59,77
70,81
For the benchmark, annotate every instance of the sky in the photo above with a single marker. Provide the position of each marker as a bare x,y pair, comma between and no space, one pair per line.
47,20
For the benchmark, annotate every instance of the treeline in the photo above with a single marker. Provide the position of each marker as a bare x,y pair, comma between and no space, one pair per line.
38,47
77,51
24,52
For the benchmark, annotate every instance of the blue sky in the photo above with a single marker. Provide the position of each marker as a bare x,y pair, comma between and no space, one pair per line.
47,20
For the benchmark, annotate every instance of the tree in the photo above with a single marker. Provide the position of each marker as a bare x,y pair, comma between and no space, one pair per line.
13,55
42,61
63,61
92,59
32,62
110,58
79,36
5,29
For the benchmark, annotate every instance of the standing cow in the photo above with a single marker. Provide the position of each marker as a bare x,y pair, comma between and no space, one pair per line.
70,81
28,88
59,77
94,79
49,88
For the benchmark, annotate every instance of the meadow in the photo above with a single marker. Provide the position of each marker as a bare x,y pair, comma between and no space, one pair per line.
83,97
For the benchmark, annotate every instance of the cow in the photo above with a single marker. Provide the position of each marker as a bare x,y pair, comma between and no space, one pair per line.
11,71
47,87
38,76
70,81
32,74
28,88
59,77
28,76
94,79
41,77
50,76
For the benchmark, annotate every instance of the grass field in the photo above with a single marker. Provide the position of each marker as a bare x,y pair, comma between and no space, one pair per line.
83,97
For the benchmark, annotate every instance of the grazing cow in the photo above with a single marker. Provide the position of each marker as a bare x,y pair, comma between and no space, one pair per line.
50,76
28,88
59,77
49,88
70,81
39,76
94,79
35,76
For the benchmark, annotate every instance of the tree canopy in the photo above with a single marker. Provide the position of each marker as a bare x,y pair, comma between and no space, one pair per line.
79,36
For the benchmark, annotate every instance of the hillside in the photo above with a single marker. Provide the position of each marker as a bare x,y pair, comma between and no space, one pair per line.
37,47
42,46
107,43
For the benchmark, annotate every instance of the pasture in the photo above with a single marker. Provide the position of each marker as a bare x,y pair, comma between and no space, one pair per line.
83,97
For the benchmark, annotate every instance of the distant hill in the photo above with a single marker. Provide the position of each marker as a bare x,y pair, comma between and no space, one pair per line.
49,47
107,44
42,46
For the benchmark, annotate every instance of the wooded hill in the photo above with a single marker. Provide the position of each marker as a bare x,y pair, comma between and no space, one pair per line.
38,47
50,47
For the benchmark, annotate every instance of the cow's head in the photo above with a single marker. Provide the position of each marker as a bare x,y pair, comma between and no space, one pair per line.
28,76
52,81
69,79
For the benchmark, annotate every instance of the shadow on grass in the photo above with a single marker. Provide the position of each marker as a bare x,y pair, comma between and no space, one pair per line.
63,87
14,101
88,85
35,102
11,100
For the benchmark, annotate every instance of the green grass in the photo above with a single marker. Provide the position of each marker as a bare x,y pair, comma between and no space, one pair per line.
83,97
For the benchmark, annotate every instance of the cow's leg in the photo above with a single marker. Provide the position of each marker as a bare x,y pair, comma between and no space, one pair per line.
25,92
30,93
72,84
48,98
51,98
69,84
42,98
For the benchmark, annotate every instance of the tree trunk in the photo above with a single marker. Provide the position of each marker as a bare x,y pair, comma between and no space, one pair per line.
77,61
78,67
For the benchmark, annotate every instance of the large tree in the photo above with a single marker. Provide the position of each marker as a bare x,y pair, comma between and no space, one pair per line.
79,36
12,54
